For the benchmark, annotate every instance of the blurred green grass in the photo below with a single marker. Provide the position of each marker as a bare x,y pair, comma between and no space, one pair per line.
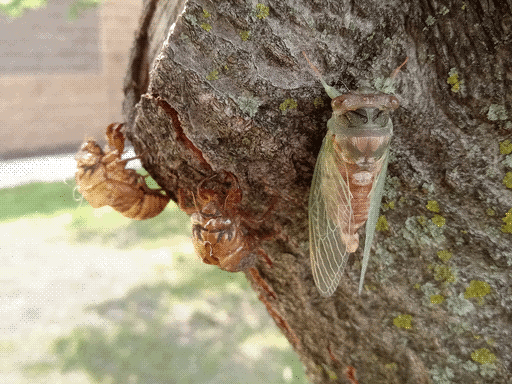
17,8
208,327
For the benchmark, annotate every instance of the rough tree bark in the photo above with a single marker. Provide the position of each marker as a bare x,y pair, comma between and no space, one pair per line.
227,88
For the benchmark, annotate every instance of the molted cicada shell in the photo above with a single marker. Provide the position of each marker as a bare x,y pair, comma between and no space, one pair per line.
102,179
221,233
348,181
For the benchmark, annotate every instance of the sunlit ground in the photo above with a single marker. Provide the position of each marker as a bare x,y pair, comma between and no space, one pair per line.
88,296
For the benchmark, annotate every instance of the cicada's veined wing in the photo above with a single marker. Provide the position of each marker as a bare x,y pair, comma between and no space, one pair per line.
329,208
373,216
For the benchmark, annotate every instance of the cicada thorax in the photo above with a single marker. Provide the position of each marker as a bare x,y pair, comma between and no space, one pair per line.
360,145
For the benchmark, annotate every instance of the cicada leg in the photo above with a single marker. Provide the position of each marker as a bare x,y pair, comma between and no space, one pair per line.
182,202
115,137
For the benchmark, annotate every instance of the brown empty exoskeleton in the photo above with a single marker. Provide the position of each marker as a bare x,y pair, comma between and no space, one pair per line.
102,179
220,233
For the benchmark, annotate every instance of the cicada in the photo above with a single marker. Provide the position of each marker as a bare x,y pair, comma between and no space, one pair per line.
102,179
348,181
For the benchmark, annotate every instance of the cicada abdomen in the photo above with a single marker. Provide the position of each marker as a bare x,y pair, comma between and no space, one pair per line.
348,182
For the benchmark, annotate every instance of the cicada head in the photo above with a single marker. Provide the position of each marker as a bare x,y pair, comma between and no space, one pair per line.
362,126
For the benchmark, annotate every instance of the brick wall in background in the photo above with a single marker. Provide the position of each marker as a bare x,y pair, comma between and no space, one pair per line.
61,81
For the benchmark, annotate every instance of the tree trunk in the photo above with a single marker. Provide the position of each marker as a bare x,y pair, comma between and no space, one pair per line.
227,88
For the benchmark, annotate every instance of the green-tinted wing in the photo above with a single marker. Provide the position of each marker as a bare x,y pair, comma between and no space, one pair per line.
373,216
329,207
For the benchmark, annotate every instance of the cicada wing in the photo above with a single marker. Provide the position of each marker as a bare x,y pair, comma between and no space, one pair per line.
329,207
373,216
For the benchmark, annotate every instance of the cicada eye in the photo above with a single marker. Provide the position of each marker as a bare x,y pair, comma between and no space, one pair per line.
394,103
337,103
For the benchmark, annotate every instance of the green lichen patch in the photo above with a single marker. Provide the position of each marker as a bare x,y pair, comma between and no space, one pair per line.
391,185
506,147
213,75
191,19
459,328
454,81
382,224
483,356
469,366
459,305
439,220
430,20
245,35
390,205
436,299
497,112
507,227
444,273
288,104
207,27
507,180
477,289
507,162
318,102
444,255
444,11
429,289
490,212
423,233
433,206
384,84
422,220
403,321
441,375
488,370
262,11
249,104
206,14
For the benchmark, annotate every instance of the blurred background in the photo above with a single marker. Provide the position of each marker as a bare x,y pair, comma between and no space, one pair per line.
88,296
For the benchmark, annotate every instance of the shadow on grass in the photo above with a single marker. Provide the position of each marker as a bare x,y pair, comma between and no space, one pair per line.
112,229
157,334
